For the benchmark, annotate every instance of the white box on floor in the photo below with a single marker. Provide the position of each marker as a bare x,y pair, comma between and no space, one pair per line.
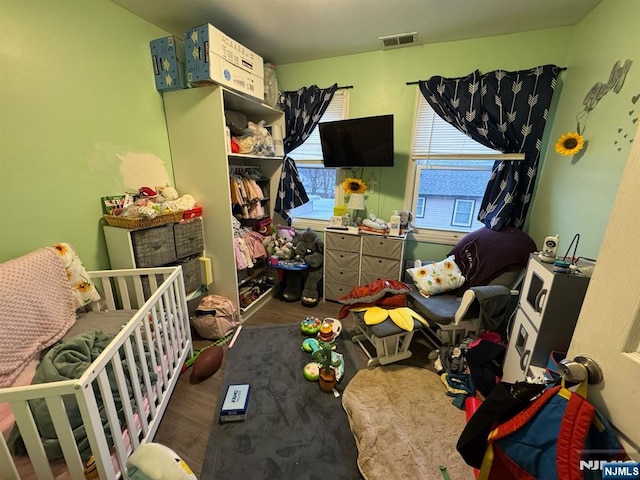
167,56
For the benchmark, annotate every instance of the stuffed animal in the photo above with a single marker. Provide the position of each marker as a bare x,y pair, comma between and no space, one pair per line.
280,243
374,222
310,248
406,217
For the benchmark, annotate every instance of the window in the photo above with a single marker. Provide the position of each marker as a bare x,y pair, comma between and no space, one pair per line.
463,212
320,183
447,177
420,206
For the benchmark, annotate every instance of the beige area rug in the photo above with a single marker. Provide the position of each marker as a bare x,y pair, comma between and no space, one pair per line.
404,424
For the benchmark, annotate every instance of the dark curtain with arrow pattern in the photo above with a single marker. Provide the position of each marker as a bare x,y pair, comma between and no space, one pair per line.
302,112
506,111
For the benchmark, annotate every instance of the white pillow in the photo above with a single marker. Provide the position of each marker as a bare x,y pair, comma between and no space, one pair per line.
437,277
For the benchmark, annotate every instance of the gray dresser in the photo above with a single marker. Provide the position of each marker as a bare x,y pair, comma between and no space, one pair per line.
352,259
171,244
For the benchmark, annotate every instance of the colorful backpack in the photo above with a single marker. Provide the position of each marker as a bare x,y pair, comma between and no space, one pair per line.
560,435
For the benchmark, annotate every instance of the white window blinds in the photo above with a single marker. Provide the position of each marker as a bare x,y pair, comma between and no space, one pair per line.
435,138
337,110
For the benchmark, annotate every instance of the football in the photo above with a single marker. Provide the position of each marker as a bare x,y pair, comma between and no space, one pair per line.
208,362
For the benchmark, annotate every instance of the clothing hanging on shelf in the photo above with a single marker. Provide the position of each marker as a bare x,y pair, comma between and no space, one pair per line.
254,243
243,256
246,195
247,244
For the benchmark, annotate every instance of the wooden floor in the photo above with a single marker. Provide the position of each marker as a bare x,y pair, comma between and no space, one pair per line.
187,421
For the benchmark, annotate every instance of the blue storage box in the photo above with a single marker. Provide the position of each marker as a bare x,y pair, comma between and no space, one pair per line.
167,55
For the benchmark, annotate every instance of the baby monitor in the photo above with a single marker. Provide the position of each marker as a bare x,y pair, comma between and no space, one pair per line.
549,249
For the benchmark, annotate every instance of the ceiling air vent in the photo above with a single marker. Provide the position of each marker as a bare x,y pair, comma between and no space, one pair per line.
399,40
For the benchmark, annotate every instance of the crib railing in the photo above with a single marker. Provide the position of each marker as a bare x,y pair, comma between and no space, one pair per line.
140,365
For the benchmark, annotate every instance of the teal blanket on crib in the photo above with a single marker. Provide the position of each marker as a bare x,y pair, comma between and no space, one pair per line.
68,360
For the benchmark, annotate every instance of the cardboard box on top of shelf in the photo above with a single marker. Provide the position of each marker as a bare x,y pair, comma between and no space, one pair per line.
213,57
167,56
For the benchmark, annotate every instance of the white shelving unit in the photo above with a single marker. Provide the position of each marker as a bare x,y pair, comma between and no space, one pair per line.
196,125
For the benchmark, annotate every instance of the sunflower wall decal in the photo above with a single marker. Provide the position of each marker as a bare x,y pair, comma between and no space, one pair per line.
569,144
354,185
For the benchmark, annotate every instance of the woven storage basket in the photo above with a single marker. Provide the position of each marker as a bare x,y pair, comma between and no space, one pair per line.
188,237
134,223
154,246
191,274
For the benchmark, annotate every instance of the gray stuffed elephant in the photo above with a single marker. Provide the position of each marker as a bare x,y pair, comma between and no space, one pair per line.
309,247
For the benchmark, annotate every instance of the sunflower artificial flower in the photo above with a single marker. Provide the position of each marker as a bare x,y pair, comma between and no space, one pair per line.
569,144
403,316
353,185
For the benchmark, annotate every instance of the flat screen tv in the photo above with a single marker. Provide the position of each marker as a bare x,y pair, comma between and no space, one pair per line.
358,142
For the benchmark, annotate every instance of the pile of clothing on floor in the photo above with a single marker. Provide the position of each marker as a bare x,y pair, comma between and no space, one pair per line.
473,367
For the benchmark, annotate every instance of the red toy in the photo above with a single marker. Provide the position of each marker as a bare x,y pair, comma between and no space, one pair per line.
208,362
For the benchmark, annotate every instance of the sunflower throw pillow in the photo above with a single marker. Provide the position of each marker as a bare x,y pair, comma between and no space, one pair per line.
437,277
83,289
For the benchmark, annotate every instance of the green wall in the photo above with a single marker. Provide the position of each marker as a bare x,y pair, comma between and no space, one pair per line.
571,198
576,194
80,118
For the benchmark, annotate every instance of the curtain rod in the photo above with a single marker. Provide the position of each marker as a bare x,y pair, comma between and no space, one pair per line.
345,87
562,69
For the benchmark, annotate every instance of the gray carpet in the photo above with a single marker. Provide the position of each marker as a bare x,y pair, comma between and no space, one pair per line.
293,430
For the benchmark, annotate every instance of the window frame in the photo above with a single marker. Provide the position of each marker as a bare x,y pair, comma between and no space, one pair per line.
469,213
419,207
445,237
316,224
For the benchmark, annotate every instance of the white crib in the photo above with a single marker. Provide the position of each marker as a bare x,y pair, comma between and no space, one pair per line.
159,325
